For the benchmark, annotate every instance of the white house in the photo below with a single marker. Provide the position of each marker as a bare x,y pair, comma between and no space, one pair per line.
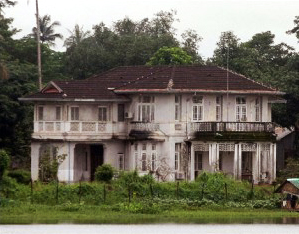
172,121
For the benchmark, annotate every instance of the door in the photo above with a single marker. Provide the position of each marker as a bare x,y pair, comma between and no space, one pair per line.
247,166
96,158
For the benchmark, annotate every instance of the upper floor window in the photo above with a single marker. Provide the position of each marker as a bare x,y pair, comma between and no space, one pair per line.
40,113
241,109
258,109
177,156
146,109
219,108
197,108
178,107
58,113
74,113
102,114
121,112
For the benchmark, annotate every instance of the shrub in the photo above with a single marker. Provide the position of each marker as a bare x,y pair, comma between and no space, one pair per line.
104,173
21,176
4,162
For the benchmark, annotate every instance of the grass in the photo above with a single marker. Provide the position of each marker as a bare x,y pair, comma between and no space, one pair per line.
24,213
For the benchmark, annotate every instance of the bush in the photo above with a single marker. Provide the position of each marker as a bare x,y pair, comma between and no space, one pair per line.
104,173
21,176
4,162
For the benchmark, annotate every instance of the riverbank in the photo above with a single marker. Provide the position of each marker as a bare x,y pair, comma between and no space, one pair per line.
43,214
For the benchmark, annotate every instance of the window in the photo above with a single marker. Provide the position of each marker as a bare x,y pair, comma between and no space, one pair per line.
40,113
219,108
197,108
178,107
103,114
154,153
121,112
146,109
143,162
258,110
144,146
241,109
177,156
58,113
198,161
74,113
121,161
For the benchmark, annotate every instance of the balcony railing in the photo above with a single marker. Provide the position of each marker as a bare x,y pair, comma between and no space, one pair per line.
73,127
232,127
140,126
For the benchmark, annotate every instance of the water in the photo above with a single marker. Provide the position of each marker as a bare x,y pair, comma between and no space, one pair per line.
149,229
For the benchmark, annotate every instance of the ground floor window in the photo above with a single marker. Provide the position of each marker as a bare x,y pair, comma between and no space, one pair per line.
197,163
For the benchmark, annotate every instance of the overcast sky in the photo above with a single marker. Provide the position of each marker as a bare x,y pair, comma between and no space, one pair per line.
208,17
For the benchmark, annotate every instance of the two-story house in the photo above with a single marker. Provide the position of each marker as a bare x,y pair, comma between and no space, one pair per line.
172,121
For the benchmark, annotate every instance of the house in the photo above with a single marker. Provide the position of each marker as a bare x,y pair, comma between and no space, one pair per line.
290,190
171,121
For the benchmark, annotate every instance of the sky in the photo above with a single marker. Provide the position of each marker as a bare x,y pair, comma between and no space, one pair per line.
207,17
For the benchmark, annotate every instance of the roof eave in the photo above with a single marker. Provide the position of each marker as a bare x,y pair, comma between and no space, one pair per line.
123,91
71,100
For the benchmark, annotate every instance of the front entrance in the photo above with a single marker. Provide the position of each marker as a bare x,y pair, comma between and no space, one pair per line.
247,166
96,158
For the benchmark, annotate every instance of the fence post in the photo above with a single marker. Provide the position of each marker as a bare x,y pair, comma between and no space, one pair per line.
31,193
129,191
104,193
80,191
225,187
57,184
151,190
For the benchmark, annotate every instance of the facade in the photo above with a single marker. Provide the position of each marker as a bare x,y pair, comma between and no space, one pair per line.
171,121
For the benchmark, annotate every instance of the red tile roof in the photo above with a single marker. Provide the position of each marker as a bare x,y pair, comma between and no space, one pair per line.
155,79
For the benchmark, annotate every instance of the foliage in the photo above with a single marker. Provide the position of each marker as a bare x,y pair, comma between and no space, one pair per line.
47,34
290,171
21,176
104,173
4,162
170,56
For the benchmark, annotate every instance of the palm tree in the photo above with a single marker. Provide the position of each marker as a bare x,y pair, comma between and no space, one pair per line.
77,36
47,35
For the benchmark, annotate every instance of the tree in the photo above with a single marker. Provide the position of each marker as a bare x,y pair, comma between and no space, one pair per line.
295,30
170,56
77,36
47,30
191,45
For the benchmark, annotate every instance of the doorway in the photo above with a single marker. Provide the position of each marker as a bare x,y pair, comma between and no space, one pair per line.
96,158
247,166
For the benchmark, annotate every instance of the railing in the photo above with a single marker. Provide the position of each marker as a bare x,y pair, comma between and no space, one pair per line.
232,127
49,126
140,126
76,126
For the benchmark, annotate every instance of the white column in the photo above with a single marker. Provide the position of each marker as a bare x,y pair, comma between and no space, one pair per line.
217,156
256,166
192,163
34,160
274,163
270,163
236,153
71,160
240,162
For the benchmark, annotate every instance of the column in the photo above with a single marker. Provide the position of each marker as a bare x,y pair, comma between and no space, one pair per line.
240,162
236,153
192,163
34,160
270,164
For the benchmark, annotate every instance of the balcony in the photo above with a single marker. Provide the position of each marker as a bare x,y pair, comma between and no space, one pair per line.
144,126
232,127
222,131
72,127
